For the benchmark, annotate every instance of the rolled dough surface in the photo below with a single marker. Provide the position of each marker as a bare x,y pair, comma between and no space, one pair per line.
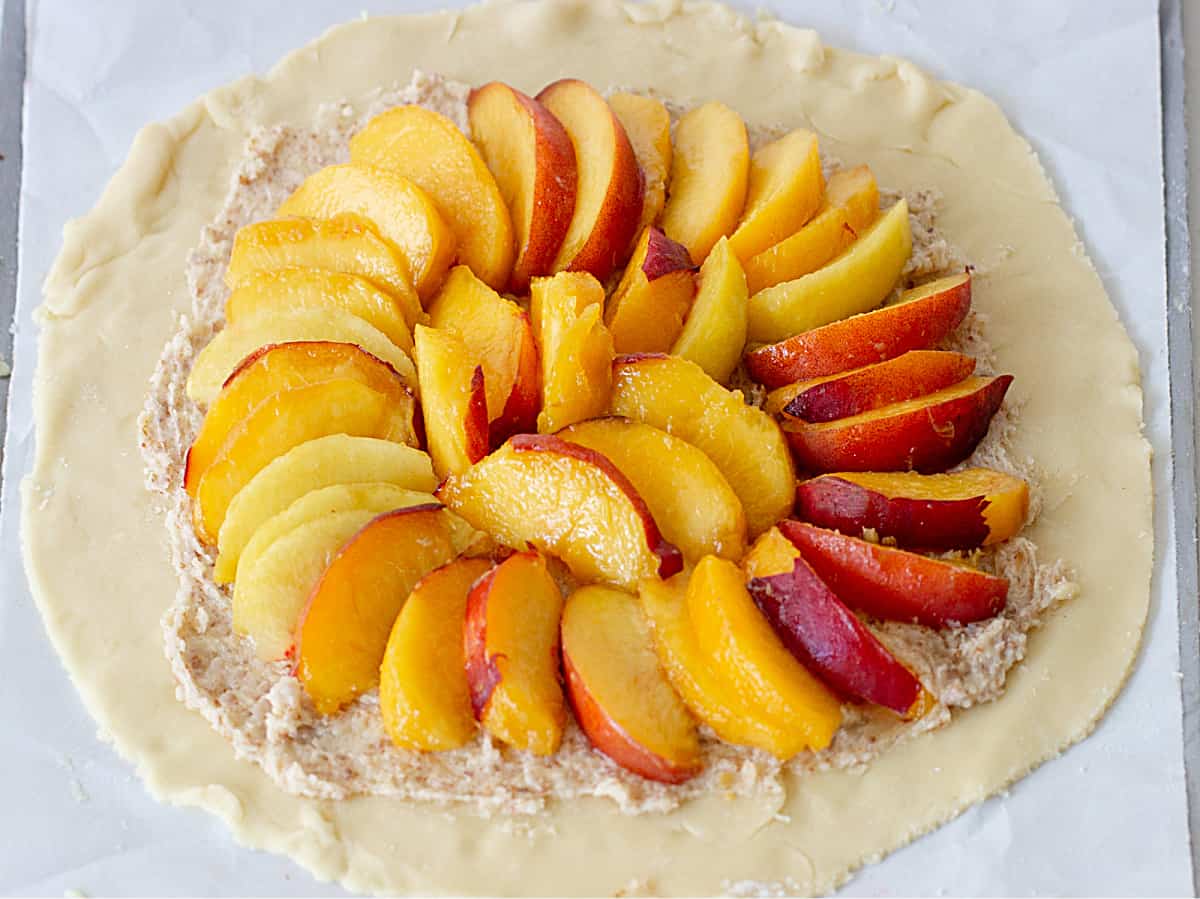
117,288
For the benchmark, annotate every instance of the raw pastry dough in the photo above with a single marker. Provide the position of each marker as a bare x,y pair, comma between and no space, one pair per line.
117,288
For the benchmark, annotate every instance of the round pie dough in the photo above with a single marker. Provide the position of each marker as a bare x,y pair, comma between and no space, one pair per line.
94,544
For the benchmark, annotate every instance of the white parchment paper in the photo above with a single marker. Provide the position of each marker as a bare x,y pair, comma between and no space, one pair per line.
1079,77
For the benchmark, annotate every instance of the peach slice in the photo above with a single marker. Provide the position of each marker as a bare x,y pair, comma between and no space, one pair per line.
895,584
928,434
343,630
714,334
402,213
961,510
346,243
287,419
568,501
772,553
855,191
813,246
854,282
511,645
746,651
647,310
272,368
688,497
785,189
608,194
710,171
906,377
313,288
533,161
576,349
676,396
921,318
831,642
648,125
323,462
423,692
226,352
621,698
455,407
499,336
428,149
712,699
376,497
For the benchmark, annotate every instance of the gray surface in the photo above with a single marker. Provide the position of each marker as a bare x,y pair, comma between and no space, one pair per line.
12,93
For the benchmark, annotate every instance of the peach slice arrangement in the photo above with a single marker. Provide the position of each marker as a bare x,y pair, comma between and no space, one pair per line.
471,437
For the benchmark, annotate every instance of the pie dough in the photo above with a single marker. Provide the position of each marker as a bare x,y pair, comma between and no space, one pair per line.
117,289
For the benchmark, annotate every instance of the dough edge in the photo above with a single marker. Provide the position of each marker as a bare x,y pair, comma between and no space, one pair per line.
925,133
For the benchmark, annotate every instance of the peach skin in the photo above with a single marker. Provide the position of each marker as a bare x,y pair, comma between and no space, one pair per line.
532,159
622,699
895,584
511,646
343,631
608,194
962,510
423,694
430,151
647,310
785,189
568,501
854,282
714,334
710,171
648,126
929,434
920,319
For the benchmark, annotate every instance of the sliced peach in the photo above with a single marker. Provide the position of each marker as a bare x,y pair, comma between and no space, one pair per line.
621,698
272,368
831,642
346,243
689,498
499,336
813,246
455,406
896,584
423,694
960,510
710,171
533,161
928,434
855,191
343,630
676,396
323,462
511,645
226,352
648,125
858,280
310,288
785,189
906,377
402,213
576,349
570,502
646,311
920,319
376,497
714,334
430,151
772,553
733,717
287,419
746,651
608,194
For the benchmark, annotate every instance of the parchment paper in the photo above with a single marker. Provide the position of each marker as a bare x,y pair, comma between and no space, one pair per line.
1079,77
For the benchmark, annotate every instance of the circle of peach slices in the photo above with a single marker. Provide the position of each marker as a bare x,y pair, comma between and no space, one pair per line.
461,376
